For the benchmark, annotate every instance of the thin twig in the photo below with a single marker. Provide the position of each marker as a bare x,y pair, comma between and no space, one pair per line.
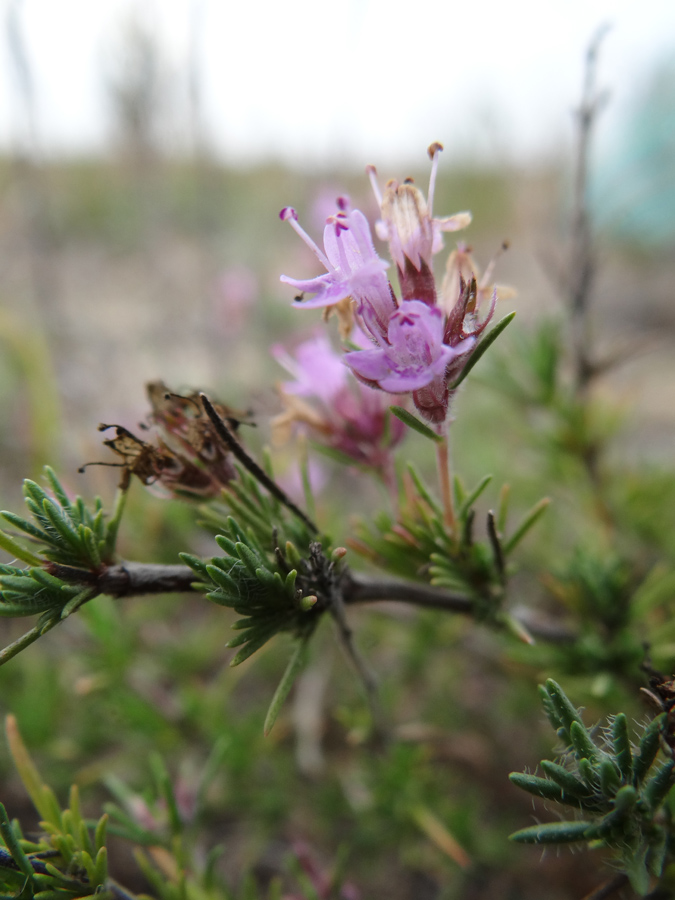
346,637
130,579
358,588
582,264
258,473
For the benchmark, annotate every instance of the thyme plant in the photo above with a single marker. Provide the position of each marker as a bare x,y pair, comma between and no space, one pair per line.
404,343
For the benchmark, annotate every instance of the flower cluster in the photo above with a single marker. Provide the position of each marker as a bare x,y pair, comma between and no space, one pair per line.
418,343
347,416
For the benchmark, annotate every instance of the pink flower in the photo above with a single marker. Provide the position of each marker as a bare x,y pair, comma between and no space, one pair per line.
418,345
353,268
414,354
340,412
413,234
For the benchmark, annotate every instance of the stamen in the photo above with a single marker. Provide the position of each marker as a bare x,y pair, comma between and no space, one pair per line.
343,204
434,153
371,171
339,221
487,275
288,214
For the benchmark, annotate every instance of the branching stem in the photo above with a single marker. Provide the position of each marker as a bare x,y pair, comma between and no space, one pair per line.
129,579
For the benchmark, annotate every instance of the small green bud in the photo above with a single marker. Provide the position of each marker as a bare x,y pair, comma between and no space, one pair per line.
292,554
308,602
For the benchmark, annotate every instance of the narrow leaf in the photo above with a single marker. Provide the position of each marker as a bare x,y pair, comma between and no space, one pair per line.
28,773
539,787
551,833
483,345
622,748
57,488
413,422
582,741
261,638
293,669
658,785
13,845
474,495
9,545
648,748
530,519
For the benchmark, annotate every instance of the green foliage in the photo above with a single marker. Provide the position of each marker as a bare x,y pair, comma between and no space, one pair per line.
420,545
67,532
73,542
619,789
273,590
272,574
259,513
68,859
534,373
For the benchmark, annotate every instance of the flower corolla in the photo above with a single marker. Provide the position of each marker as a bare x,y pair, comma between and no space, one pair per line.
421,342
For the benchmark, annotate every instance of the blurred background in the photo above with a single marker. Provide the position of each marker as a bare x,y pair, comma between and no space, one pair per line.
146,149
148,146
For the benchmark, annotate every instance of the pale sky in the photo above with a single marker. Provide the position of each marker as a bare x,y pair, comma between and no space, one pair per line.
309,81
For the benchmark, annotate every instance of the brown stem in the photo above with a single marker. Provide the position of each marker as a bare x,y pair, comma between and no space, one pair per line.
128,579
357,588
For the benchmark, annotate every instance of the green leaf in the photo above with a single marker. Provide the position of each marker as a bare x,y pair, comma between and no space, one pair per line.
567,780
100,833
224,581
539,787
609,777
166,792
261,638
483,345
57,488
413,422
295,665
552,833
62,524
474,495
657,787
564,710
27,527
622,748
423,490
13,845
582,742
648,748
636,870
531,518
9,545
